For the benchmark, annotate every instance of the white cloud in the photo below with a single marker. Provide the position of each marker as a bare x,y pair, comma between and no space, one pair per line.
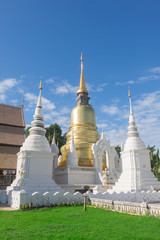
115,135
50,116
62,90
97,88
151,74
22,76
2,97
60,119
142,79
102,125
50,80
148,78
65,88
115,100
7,84
155,70
65,110
111,110
125,83
14,102
32,99
100,87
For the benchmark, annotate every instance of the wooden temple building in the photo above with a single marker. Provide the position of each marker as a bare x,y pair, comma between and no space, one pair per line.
12,136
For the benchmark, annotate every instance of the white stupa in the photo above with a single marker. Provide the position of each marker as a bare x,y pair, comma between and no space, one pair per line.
72,159
136,168
55,150
35,159
54,147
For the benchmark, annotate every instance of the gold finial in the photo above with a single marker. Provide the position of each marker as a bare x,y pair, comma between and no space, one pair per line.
40,85
82,85
81,57
129,93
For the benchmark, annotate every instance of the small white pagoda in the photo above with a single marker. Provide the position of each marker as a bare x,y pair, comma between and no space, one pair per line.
72,159
136,168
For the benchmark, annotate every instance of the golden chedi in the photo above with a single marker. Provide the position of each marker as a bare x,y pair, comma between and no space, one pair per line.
83,126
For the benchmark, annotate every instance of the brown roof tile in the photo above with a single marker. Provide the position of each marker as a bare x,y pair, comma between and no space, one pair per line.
11,135
11,115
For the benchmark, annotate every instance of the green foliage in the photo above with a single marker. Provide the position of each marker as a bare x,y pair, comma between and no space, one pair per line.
60,140
118,150
27,131
22,206
155,161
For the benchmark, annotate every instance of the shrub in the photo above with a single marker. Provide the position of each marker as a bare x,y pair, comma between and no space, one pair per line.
146,213
21,206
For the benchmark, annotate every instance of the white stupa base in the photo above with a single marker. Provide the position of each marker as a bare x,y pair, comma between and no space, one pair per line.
34,185
37,170
72,175
126,183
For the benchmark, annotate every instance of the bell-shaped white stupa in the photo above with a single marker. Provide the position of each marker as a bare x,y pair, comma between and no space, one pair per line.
35,159
54,147
136,168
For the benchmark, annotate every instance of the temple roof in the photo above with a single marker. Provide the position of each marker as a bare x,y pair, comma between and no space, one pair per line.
10,135
12,125
11,115
8,157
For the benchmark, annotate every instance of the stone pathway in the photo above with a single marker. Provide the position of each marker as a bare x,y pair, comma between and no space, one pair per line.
5,207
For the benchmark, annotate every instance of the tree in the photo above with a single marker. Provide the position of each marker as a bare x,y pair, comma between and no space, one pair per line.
155,161
118,149
60,139
27,131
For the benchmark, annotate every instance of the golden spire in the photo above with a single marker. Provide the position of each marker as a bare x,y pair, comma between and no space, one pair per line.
82,85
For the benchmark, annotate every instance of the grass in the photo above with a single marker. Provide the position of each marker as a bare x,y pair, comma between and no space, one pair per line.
74,223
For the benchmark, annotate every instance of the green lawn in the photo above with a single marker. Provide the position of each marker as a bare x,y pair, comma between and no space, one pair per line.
74,223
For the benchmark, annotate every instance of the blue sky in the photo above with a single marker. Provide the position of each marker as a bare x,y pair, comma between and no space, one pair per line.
120,41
